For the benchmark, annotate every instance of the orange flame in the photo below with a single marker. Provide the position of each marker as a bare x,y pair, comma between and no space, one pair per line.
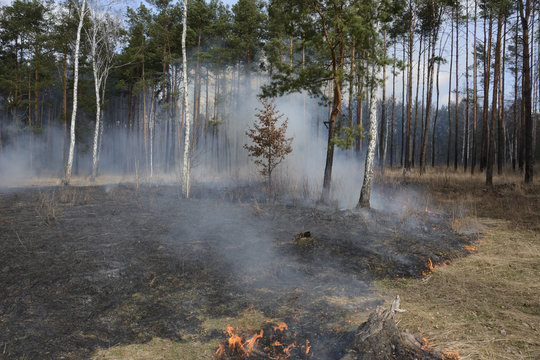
220,350
430,265
286,351
235,341
250,344
454,355
281,327
427,344
469,248
308,347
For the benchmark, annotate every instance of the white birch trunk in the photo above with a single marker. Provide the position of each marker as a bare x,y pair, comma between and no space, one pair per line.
365,193
98,120
102,37
151,128
69,165
186,165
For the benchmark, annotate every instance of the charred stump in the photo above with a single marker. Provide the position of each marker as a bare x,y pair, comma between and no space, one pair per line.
379,339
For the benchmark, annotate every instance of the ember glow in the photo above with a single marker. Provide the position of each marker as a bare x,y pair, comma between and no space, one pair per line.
281,327
447,355
469,248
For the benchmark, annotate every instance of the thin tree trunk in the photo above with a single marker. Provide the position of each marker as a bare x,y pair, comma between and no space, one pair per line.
527,92
403,113
416,102
365,193
450,94
501,130
384,130
494,112
466,127
69,166
98,119
516,123
431,70
456,114
408,148
475,95
351,88
487,66
393,109
360,110
187,160
434,143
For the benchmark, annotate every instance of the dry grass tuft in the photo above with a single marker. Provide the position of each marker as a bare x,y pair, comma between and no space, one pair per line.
47,208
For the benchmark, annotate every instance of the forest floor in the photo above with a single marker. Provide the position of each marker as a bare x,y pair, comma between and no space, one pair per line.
135,272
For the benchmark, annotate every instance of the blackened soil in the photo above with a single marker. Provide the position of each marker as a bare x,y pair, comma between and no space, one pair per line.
89,267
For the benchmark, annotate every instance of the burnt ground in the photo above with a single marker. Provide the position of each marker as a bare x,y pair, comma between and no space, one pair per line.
92,267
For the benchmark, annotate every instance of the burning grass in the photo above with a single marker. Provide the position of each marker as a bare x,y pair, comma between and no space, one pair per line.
137,270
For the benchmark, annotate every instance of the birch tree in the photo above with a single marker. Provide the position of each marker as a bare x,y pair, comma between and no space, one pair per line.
103,36
69,165
365,193
187,116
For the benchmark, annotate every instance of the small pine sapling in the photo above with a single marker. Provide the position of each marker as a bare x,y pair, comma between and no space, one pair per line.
270,144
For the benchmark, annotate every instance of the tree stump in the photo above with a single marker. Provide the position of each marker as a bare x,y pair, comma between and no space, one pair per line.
379,339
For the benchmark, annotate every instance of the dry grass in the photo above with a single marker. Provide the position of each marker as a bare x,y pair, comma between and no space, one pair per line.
193,346
486,305
162,349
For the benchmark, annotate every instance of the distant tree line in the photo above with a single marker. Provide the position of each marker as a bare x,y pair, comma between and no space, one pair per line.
345,53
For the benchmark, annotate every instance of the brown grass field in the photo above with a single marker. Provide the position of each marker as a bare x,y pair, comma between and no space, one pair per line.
485,305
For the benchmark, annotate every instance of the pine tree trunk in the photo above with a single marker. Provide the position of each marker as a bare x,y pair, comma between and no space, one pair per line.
456,114
383,139
487,66
416,102
360,110
431,70
450,94
527,92
516,123
433,136
494,111
466,127
351,88
402,153
475,96
393,110
501,130
408,147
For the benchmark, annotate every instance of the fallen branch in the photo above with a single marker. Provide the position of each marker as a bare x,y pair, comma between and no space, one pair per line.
18,237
